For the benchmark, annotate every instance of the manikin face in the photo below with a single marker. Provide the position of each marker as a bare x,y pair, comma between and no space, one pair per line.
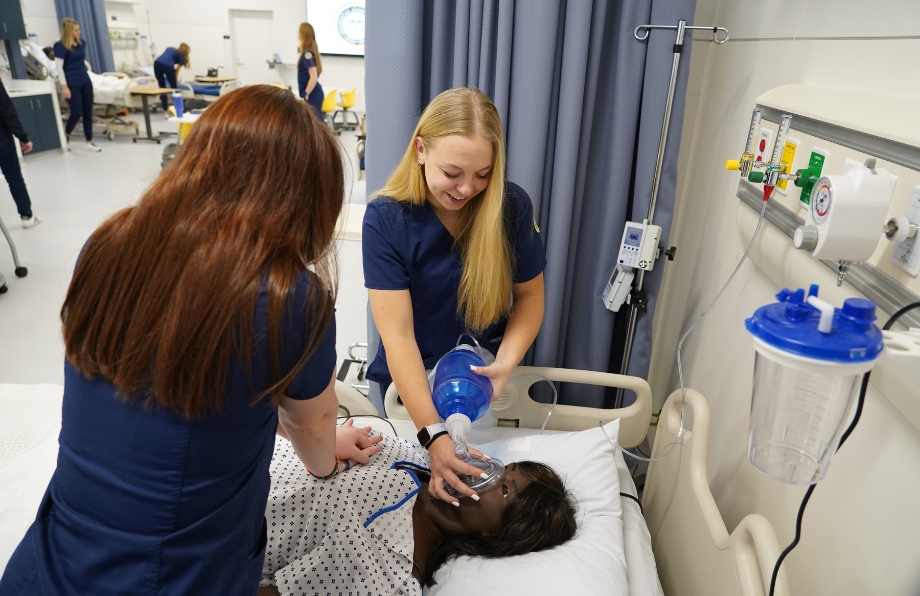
485,516
457,169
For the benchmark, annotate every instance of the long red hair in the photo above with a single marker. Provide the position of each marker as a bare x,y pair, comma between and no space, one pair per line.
165,292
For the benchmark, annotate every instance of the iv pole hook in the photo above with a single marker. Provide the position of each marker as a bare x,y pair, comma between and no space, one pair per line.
715,31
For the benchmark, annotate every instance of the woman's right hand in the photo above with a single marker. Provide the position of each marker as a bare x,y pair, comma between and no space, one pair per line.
66,91
444,464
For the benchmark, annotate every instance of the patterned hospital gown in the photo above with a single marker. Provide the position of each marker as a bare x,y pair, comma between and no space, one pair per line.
349,535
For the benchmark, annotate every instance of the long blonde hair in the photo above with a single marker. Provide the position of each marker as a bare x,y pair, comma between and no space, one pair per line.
185,51
67,26
485,286
308,42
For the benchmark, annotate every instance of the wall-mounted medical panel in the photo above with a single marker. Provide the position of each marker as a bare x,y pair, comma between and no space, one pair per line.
835,131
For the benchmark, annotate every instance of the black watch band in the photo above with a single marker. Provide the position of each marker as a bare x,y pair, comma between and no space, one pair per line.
435,438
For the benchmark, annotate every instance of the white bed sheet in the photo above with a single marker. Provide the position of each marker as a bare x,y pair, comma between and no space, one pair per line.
30,456
109,89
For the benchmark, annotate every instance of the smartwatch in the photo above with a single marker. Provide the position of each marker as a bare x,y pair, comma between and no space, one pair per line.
428,434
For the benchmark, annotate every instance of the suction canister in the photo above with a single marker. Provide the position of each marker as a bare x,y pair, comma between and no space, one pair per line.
809,360
461,397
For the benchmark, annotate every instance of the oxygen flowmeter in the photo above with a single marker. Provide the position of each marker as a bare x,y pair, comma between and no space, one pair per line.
746,163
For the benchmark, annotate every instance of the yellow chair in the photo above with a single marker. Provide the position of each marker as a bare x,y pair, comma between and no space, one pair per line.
348,101
329,108
183,128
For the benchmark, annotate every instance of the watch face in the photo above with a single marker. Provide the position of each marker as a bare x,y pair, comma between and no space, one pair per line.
350,24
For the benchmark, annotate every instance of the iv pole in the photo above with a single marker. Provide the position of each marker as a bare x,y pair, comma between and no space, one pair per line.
637,301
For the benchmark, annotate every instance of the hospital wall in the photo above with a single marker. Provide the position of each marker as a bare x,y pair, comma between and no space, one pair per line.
861,530
203,24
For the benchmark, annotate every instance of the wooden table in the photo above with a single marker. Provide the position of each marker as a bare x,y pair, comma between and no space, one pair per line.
214,79
146,93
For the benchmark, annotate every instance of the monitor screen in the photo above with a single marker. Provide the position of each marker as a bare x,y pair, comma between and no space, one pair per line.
633,236
339,26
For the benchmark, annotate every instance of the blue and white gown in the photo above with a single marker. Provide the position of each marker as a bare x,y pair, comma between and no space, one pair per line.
351,534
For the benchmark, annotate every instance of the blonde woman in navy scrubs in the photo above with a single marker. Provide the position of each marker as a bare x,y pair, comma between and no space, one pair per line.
69,54
451,247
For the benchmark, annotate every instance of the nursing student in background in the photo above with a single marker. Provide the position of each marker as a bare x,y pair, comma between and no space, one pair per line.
9,160
177,380
309,67
451,247
166,68
69,57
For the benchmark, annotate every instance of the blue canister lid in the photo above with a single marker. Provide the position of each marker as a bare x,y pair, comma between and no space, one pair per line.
791,325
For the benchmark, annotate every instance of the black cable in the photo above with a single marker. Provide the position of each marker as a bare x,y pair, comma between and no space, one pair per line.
629,496
395,434
846,435
898,314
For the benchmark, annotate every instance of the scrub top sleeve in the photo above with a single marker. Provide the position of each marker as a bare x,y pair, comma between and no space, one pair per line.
314,377
309,59
316,374
384,268
530,259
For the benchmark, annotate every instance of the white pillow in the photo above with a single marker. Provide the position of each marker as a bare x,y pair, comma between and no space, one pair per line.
591,563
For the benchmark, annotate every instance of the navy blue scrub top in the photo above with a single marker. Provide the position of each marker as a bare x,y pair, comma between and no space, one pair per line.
308,60
406,246
171,57
74,69
145,501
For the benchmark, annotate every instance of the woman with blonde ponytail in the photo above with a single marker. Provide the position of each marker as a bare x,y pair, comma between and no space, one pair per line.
451,247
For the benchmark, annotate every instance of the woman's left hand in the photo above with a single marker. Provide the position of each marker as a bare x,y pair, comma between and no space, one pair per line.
353,444
498,372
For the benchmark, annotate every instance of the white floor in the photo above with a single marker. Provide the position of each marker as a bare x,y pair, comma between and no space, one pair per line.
74,193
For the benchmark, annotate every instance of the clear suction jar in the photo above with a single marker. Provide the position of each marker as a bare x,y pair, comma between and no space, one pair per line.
805,382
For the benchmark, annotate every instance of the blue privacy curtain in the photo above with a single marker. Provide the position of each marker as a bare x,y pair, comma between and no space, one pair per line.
93,30
582,103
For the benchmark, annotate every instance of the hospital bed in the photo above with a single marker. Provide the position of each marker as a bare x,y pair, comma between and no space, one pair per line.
207,92
616,548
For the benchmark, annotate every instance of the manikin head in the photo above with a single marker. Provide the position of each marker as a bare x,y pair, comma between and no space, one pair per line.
528,512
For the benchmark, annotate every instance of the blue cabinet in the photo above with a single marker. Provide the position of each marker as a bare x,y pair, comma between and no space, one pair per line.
39,119
12,25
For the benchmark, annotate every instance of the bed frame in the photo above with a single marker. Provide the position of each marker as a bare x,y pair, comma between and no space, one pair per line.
695,553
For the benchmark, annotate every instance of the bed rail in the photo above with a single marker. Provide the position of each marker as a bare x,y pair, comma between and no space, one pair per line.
695,553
